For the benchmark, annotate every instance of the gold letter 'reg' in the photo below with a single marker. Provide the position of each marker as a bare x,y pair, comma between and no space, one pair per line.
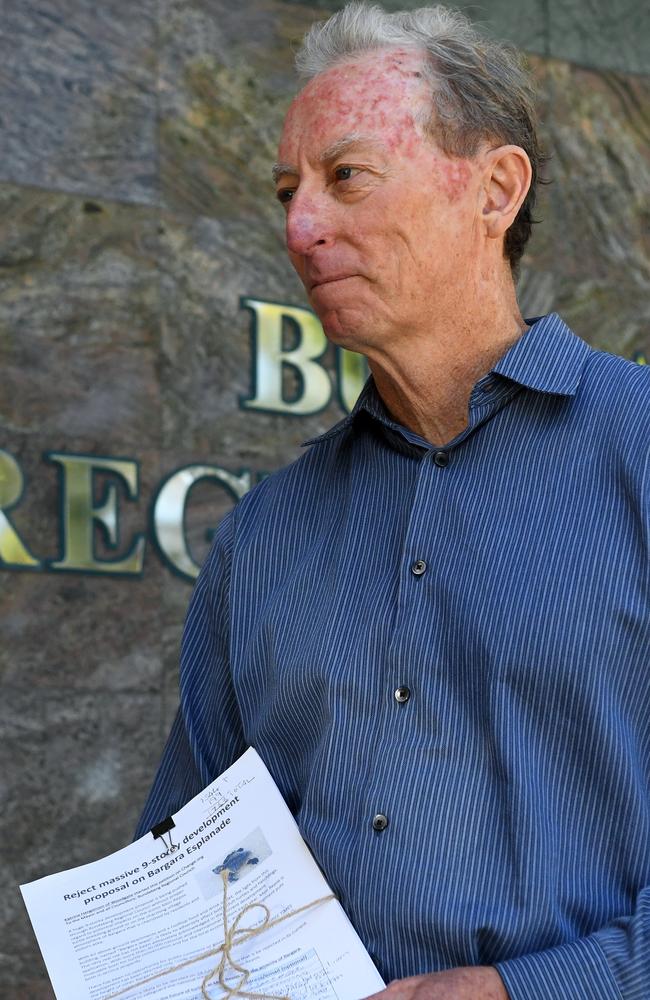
170,505
81,513
13,552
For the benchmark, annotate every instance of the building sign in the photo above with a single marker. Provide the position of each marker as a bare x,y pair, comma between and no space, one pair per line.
93,489
83,514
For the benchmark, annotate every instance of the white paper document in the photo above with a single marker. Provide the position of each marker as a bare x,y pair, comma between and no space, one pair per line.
114,928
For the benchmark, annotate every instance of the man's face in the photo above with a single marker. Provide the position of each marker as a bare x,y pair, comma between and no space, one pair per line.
380,223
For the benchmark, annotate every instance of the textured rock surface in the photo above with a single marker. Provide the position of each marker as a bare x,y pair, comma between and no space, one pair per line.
589,257
79,96
135,211
607,34
610,34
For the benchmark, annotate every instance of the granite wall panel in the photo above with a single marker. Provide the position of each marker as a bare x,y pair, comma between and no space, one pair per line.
608,34
523,24
79,96
589,256
79,310
225,82
68,761
136,212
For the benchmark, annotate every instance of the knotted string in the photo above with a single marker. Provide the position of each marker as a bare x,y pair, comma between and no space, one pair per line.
232,936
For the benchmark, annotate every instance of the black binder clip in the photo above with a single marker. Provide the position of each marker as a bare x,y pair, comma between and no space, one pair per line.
160,829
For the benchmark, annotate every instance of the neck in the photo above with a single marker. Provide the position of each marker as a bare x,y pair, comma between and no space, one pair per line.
426,380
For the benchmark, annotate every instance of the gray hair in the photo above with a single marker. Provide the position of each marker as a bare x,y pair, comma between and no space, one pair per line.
480,88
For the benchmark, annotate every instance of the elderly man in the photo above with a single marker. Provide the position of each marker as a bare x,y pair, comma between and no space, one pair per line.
434,626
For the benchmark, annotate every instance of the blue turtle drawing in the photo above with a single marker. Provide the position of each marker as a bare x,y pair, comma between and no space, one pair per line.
234,862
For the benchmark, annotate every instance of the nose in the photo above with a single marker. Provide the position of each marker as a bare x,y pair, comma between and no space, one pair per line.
308,224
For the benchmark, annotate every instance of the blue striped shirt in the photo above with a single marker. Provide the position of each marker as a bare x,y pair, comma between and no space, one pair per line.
455,639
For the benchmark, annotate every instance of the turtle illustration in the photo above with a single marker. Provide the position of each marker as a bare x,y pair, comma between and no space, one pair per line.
234,862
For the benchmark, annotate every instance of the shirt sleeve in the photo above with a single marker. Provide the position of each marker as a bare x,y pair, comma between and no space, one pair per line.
206,736
611,964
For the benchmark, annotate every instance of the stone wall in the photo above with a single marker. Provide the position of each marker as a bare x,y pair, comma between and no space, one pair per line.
136,212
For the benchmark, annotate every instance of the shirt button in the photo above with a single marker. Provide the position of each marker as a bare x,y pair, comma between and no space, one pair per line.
379,823
418,567
402,694
441,458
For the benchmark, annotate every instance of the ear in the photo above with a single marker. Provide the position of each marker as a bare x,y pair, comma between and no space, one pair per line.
507,177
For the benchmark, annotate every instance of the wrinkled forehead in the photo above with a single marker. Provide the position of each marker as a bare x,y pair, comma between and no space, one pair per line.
374,92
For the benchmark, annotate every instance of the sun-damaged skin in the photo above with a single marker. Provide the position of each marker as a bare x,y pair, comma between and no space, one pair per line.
399,245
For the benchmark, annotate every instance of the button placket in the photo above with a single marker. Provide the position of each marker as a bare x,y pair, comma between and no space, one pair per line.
428,519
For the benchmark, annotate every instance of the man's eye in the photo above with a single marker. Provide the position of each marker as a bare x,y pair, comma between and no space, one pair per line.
284,195
345,173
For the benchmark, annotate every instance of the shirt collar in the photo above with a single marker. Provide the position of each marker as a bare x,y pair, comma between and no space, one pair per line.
548,357
368,401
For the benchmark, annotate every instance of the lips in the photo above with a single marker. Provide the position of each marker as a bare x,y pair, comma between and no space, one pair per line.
328,280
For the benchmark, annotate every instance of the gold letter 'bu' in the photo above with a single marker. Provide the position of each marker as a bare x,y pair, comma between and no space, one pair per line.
271,359
12,550
80,514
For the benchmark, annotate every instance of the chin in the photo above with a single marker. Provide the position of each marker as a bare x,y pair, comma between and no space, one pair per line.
348,328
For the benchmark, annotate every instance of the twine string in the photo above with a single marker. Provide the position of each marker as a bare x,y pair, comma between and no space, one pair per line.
232,936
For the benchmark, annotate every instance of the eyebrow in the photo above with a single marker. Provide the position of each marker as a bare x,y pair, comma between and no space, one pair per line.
331,152
346,143
279,170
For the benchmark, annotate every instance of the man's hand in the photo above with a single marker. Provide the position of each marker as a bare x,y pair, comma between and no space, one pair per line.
473,983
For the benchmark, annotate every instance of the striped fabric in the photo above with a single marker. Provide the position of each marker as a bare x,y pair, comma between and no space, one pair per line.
457,640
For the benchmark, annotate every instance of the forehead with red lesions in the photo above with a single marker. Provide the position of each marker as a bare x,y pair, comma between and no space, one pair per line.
381,92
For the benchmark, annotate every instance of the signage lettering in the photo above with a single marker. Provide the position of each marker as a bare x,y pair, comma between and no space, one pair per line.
288,378
80,514
13,551
169,511
274,323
